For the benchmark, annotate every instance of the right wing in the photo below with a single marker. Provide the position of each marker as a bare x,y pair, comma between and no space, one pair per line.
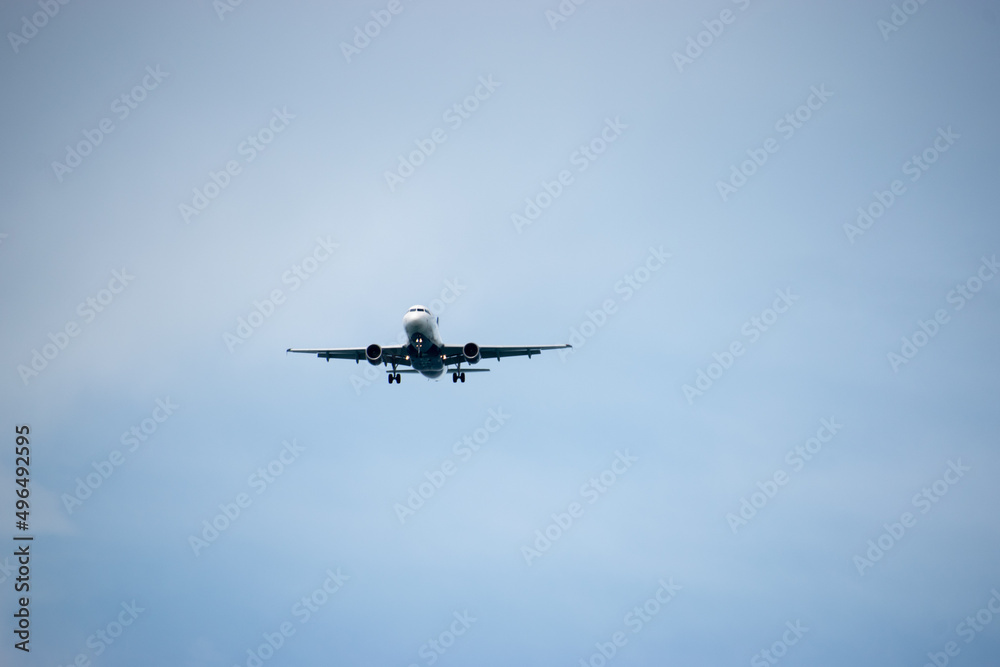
453,353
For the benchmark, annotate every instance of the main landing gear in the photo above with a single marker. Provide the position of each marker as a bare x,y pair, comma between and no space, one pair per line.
395,377
455,377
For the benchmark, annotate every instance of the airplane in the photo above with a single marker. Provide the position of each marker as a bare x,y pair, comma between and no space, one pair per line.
426,353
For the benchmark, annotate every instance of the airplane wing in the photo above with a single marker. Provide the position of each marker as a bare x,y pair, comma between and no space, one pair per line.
453,353
393,354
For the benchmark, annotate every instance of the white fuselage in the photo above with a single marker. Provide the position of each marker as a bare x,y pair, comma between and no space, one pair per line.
421,327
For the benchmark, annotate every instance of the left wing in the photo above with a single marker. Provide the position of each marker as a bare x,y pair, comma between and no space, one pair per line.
393,354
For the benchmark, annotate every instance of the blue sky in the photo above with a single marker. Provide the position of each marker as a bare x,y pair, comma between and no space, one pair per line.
697,237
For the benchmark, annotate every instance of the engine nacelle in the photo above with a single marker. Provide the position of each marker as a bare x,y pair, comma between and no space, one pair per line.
374,354
471,353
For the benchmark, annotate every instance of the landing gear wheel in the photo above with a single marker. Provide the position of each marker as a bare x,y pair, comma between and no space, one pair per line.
399,378
462,376
391,377
454,377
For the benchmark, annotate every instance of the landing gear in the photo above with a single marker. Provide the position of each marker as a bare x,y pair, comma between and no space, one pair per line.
455,377
395,377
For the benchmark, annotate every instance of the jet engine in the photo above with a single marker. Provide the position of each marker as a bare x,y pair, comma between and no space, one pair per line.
471,353
374,354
